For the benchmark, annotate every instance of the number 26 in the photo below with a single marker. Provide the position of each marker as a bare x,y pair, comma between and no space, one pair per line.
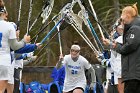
74,72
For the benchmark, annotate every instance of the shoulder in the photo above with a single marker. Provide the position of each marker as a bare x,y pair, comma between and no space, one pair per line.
67,56
5,23
8,26
135,28
134,31
83,58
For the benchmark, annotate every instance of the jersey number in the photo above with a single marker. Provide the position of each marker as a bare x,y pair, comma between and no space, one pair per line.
0,39
74,72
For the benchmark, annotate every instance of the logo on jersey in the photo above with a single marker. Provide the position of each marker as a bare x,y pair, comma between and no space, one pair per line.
132,36
74,67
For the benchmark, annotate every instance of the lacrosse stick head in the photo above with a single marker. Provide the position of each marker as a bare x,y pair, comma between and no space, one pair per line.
47,11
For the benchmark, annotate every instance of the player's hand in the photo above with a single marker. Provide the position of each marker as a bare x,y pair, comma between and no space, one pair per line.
39,45
61,57
27,38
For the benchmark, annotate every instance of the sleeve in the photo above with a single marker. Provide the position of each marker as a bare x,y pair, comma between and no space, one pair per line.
23,56
132,42
86,63
12,32
15,45
93,76
27,48
18,56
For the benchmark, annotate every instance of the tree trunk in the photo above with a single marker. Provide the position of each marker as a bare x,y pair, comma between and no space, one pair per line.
117,8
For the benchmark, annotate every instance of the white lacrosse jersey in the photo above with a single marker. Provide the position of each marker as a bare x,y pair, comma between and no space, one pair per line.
115,61
75,72
7,31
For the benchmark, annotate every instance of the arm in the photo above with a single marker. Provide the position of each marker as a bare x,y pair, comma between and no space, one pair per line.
29,60
93,76
26,62
59,63
15,45
132,42
91,71
20,56
27,48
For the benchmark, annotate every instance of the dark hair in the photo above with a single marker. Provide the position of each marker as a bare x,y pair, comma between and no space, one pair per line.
75,42
2,7
1,3
2,10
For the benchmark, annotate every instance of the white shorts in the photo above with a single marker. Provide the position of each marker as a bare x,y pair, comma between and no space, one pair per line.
11,81
5,72
108,75
67,88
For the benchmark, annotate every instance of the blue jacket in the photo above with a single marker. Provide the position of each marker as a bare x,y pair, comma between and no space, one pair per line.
26,49
58,75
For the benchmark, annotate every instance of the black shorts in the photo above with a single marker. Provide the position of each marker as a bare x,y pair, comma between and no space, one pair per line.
77,88
17,73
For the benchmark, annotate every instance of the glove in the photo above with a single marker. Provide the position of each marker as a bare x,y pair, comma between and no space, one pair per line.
30,54
106,62
32,58
92,85
24,56
100,57
61,58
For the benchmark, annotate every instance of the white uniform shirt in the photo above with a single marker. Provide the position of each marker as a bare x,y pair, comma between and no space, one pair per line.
75,73
7,31
115,61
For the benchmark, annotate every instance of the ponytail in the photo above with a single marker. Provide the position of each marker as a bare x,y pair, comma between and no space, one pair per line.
134,6
132,10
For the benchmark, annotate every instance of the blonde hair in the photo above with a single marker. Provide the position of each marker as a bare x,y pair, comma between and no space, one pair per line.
132,10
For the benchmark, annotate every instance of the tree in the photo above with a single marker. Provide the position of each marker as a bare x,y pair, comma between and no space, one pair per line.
107,11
